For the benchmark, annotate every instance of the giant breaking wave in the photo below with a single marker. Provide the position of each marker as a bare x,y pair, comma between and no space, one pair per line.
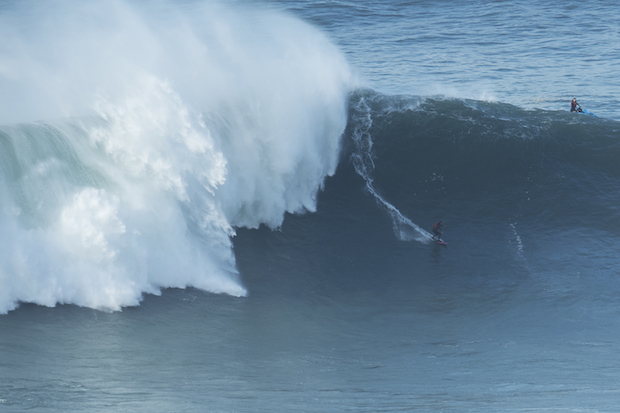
135,139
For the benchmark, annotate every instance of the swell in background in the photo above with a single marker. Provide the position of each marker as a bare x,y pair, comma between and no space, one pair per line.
135,139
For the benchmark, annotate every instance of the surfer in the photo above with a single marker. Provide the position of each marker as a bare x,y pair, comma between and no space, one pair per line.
574,106
438,230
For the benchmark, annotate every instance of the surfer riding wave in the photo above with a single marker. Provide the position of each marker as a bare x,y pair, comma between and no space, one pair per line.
438,230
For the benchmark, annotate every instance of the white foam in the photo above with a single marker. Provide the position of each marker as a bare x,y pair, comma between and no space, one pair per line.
184,124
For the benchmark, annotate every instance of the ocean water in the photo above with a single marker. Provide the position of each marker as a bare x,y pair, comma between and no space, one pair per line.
225,206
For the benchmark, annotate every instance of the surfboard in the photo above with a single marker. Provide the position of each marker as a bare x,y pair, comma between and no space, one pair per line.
586,112
441,242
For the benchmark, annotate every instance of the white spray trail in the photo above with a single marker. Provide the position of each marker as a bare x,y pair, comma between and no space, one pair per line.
363,162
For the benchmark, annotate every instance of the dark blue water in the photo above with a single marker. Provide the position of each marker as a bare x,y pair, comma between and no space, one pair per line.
225,207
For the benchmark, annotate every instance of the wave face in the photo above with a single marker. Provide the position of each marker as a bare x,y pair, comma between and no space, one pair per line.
137,139
485,162
529,200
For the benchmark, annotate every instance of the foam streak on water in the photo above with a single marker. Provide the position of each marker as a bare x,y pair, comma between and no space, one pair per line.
404,228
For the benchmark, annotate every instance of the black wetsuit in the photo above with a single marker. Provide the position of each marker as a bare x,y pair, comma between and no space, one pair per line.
437,230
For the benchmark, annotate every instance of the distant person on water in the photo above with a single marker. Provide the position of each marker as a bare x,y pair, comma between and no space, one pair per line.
574,106
438,230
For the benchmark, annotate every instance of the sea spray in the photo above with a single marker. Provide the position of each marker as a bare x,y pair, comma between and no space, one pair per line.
138,139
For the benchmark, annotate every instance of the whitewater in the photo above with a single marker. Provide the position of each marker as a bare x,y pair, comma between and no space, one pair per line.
132,151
